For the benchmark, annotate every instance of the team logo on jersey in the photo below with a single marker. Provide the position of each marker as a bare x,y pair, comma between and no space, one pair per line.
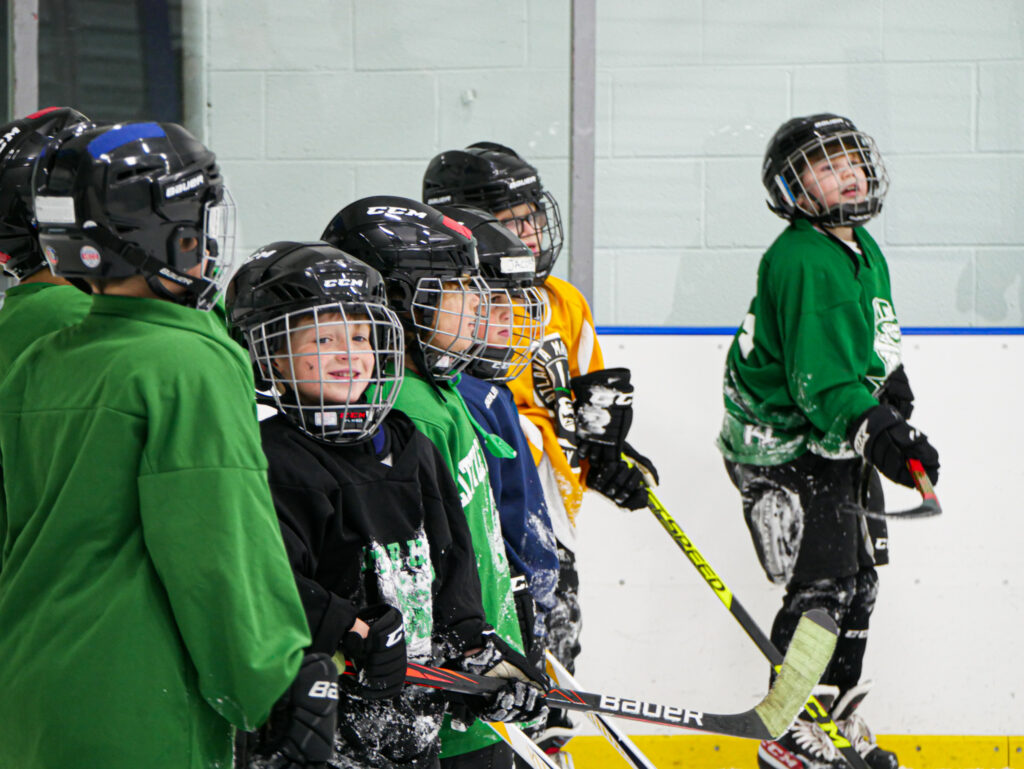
552,389
887,337
90,257
51,255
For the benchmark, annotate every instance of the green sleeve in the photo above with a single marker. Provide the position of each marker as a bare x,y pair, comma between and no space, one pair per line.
211,532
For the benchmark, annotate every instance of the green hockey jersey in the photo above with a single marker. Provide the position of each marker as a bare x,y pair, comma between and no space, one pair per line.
818,341
444,421
146,600
32,310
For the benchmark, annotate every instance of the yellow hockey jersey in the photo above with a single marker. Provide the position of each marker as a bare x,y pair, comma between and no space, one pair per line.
544,397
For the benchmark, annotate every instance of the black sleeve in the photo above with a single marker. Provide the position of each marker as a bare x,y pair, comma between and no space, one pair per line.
304,512
458,608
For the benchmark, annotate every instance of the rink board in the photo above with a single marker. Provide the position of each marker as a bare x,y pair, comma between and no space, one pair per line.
944,646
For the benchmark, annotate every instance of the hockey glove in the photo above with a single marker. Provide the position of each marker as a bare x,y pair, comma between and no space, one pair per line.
884,439
645,465
300,730
622,483
896,392
379,659
522,696
604,412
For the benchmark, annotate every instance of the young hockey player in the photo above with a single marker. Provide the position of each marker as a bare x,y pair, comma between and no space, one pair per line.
430,268
146,597
514,329
495,178
816,397
371,518
40,302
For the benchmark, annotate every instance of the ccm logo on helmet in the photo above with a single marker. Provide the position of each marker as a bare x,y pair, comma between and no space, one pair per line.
183,186
342,282
396,211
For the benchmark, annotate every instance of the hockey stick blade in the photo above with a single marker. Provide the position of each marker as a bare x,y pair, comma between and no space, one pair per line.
928,508
813,708
616,737
809,654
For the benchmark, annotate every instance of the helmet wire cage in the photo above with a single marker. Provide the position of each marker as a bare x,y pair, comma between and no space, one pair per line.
846,167
539,225
334,369
515,328
450,316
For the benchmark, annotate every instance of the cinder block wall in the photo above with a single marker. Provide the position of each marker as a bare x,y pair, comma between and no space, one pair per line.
690,93
314,104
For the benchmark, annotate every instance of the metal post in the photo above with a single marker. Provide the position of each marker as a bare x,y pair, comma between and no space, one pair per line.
24,57
581,152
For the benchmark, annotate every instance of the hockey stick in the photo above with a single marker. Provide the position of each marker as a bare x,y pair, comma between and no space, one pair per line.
808,656
929,502
814,708
615,736
510,734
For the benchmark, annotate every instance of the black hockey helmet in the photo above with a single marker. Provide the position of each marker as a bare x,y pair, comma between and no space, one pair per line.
803,142
427,260
139,198
21,144
495,178
301,308
517,313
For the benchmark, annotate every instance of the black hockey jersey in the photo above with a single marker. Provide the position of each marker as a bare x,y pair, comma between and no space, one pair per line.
378,522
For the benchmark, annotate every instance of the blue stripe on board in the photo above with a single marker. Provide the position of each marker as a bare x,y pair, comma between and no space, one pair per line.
730,330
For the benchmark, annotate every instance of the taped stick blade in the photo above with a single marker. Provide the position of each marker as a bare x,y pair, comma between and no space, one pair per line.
809,653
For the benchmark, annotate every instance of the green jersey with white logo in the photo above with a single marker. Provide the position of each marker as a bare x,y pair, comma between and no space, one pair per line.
818,341
444,421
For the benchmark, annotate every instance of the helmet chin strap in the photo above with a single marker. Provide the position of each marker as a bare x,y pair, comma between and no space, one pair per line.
151,269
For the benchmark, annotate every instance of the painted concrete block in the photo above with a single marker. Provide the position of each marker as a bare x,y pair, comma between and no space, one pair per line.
999,297
697,111
793,32
936,30
1000,117
647,203
548,33
735,214
955,200
711,287
648,33
905,107
286,200
932,286
524,109
411,35
236,114
271,35
350,115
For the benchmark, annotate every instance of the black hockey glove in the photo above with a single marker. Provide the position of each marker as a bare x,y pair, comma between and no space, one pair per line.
884,439
623,484
522,696
604,412
379,658
300,730
896,392
642,463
